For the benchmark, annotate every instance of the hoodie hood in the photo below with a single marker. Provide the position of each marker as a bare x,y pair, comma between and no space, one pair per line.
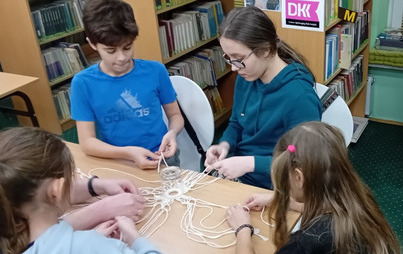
291,72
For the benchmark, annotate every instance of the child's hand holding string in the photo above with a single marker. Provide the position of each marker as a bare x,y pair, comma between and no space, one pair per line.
113,186
168,144
124,204
107,228
127,229
238,215
144,158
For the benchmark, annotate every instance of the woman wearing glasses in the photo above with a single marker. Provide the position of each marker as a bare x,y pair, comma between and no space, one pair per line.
273,93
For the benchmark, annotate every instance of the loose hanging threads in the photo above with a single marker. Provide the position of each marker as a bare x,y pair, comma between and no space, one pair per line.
175,184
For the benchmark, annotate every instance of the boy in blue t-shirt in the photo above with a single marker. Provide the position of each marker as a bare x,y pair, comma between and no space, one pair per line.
122,96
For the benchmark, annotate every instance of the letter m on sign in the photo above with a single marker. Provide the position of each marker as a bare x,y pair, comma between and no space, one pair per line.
347,15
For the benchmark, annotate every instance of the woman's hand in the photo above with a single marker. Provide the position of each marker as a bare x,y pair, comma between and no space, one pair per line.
234,167
216,153
259,200
237,215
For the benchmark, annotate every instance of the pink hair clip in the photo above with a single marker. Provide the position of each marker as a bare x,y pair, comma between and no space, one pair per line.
291,148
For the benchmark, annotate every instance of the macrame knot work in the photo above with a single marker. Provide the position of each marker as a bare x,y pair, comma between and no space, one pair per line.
175,184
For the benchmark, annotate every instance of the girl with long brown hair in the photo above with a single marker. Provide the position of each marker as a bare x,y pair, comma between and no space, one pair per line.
36,188
311,170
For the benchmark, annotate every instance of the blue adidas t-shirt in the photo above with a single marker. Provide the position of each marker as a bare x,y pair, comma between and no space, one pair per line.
127,109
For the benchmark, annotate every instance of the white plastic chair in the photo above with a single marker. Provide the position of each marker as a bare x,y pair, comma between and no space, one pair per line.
337,114
197,109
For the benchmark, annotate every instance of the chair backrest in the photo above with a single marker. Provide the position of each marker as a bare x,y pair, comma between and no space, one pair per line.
197,109
337,114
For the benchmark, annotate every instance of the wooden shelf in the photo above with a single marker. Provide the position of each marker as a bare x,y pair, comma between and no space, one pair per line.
187,51
352,98
67,123
311,44
172,7
61,79
20,53
59,36
332,23
360,49
225,72
327,81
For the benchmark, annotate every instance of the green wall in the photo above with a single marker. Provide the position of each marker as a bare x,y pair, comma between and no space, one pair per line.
379,19
387,94
387,88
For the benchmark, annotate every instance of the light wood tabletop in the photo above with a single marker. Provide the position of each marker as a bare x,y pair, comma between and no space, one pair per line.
170,238
10,83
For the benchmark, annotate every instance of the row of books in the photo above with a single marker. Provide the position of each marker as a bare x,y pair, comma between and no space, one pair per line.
57,17
349,80
61,97
160,4
354,5
332,8
185,29
63,59
201,67
342,41
215,100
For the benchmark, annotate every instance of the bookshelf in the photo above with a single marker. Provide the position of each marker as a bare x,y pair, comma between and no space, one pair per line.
147,44
20,53
312,45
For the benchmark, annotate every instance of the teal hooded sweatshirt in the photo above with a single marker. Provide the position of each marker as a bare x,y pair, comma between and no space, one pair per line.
263,112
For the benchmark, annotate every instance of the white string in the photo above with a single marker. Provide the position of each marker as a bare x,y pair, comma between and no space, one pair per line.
159,200
265,222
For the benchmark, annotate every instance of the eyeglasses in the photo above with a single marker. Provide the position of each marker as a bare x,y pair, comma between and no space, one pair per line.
239,63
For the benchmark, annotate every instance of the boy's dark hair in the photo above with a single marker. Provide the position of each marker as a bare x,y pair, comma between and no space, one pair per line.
110,22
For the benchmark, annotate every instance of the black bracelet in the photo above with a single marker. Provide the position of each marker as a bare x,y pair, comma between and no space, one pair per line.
90,188
252,229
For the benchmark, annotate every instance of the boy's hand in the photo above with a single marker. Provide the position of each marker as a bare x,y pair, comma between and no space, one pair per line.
145,159
168,144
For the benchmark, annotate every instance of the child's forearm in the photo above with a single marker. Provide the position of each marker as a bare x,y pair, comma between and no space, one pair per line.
176,123
244,242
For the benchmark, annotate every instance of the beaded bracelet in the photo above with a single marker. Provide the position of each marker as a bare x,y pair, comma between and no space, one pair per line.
252,229
90,188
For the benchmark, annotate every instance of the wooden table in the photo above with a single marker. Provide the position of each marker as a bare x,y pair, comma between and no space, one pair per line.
170,238
11,85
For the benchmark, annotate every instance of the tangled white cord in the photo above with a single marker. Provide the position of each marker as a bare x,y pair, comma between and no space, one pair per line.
159,200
